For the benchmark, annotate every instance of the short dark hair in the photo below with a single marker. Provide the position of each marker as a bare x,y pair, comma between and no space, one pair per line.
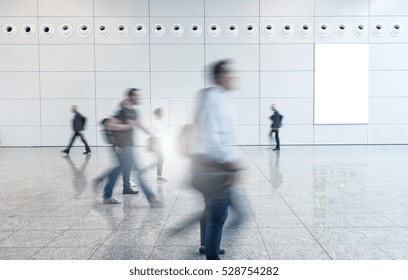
220,69
132,91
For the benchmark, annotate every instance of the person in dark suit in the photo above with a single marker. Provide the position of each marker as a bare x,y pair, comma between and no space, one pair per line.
276,119
78,125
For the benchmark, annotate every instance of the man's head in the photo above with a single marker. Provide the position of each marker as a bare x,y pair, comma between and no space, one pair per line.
74,108
133,96
158,113
222,74
273,107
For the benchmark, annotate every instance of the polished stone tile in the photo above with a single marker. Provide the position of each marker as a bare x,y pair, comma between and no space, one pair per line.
355,252
80,238
97,223
239,252
287,236
30,238
5,233
368,220
14,223
386,235
339,236
122,253
80,253
297,252
17,253
279,221
395,251
132,237
176,253
42,223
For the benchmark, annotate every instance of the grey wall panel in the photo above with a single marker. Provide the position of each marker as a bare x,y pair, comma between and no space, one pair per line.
114,84
245,57
18,8
389,8
67,85
340,134
287,84
177,7
388,133
16,85
342,7
121,8
389,84
174,85
287,57
18,135
65,8
287,8
177,58
13,114
66,58
231,8
388,57
388,110
122,58
19,58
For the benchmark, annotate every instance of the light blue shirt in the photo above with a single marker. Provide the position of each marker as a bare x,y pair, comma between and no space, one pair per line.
215,137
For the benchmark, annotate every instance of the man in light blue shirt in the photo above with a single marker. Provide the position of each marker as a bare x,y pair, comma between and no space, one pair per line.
215,161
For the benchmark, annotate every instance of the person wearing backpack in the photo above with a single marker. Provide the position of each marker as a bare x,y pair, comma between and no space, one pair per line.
122,125
276,119
78,125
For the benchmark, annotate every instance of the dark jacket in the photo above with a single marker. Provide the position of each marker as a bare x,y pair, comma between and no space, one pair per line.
276,120
78,123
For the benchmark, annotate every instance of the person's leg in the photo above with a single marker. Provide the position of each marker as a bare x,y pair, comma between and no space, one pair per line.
150,195
87,149
128,163
66,150
217,214
203,226
112,177
277,139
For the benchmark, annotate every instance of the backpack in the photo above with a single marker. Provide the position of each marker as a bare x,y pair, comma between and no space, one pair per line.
280,120
109,134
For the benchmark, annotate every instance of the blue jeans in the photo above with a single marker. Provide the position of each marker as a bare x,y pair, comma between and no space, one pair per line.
217,215
127,162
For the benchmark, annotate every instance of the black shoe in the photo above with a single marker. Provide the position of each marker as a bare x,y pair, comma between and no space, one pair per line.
276,149
65,151
87,152
202,251
129,190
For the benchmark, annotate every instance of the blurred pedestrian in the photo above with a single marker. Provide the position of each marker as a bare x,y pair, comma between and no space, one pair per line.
78,125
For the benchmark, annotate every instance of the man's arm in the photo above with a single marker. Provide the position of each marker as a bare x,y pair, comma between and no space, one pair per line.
141,125
115,125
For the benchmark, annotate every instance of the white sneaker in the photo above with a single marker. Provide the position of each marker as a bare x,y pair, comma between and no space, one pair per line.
111,201
133,185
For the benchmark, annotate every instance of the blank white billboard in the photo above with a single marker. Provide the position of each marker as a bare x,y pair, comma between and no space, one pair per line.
341,83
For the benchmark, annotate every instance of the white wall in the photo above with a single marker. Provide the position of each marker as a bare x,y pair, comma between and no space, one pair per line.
42,76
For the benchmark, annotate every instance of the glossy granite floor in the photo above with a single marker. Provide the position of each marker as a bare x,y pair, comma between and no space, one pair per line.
322,202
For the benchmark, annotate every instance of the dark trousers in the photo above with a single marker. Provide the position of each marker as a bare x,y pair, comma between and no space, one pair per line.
276,130
127,162
217,215
76,134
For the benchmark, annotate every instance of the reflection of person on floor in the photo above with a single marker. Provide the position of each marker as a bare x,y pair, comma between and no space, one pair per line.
123,124
215,162
276,175
78,125
79,178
